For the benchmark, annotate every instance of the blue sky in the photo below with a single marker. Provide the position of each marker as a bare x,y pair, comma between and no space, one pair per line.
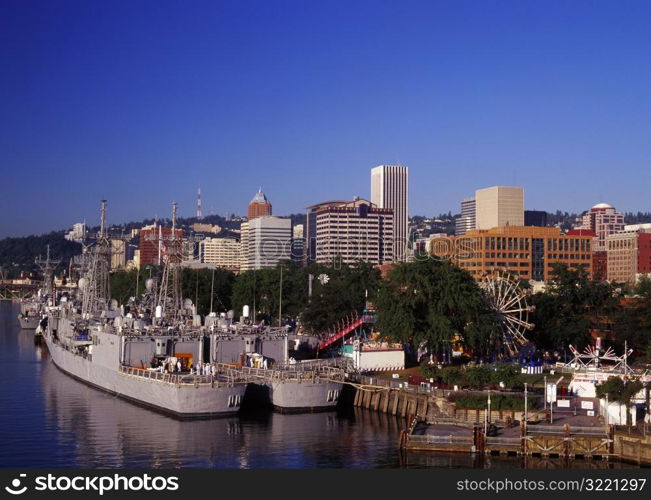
143,102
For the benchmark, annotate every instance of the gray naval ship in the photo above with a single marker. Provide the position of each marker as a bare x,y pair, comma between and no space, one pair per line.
261,356
156,353
147,359
32,309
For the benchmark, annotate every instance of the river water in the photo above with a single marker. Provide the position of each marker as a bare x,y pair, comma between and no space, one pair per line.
51,420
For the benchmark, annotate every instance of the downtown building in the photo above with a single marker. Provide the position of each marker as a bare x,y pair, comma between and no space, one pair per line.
499,206
259,206
599,259
269,241
221,252
390,190
629,254
535,218
603,220
152,244
468,218
529,252
347,232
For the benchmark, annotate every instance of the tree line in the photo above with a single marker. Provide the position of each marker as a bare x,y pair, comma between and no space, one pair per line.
430,303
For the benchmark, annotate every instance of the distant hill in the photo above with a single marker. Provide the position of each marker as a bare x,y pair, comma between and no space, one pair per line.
18,254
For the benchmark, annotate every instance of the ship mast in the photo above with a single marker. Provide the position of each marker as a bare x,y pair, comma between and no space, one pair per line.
97,289
47,267
169,296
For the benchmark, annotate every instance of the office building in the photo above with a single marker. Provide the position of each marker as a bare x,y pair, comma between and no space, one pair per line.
499,206
298,244
270,240
259,206
350,232
629,255
599,257
529,252
200,227
152,243
118,254
390,190
221,252
467,220
603,219
244,246
535,218
78,233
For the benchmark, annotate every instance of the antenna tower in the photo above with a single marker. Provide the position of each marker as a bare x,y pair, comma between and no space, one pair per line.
97,292
48,266
169,294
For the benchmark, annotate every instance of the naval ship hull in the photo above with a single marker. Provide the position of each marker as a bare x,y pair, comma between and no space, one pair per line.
179,400
28,322
303,397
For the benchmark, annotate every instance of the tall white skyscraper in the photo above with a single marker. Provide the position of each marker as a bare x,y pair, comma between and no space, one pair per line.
467,219
499,206
390,189
270,240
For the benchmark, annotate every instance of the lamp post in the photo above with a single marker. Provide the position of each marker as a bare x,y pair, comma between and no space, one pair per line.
280,301
526,406
489,406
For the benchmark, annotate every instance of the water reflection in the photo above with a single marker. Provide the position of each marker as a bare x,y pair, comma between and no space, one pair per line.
109,432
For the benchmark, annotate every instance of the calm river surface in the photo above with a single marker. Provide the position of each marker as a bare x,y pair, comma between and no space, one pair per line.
50,420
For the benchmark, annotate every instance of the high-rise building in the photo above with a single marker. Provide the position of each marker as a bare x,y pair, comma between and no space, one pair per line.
353,231
529,252
152,243
535,218
390,190
467,220
629,255
221,252
298,244
310,229
78,232
118,254
499,206
270,240
259,206
603,219
244,246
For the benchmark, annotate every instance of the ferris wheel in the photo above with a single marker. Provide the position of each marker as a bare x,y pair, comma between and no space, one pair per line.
509,301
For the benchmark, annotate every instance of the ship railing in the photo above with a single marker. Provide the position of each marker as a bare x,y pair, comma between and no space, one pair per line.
220,378
344,363
321,374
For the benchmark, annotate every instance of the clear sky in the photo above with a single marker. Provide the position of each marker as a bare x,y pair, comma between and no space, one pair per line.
143,102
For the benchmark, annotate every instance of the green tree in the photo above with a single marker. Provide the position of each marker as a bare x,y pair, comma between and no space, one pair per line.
432,301
197,285
262,288
643,287
571,305
345,293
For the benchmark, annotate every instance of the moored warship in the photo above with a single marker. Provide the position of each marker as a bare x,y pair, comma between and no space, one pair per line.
149,361
33,308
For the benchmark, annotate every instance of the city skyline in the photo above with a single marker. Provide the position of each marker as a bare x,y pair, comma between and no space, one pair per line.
304,99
